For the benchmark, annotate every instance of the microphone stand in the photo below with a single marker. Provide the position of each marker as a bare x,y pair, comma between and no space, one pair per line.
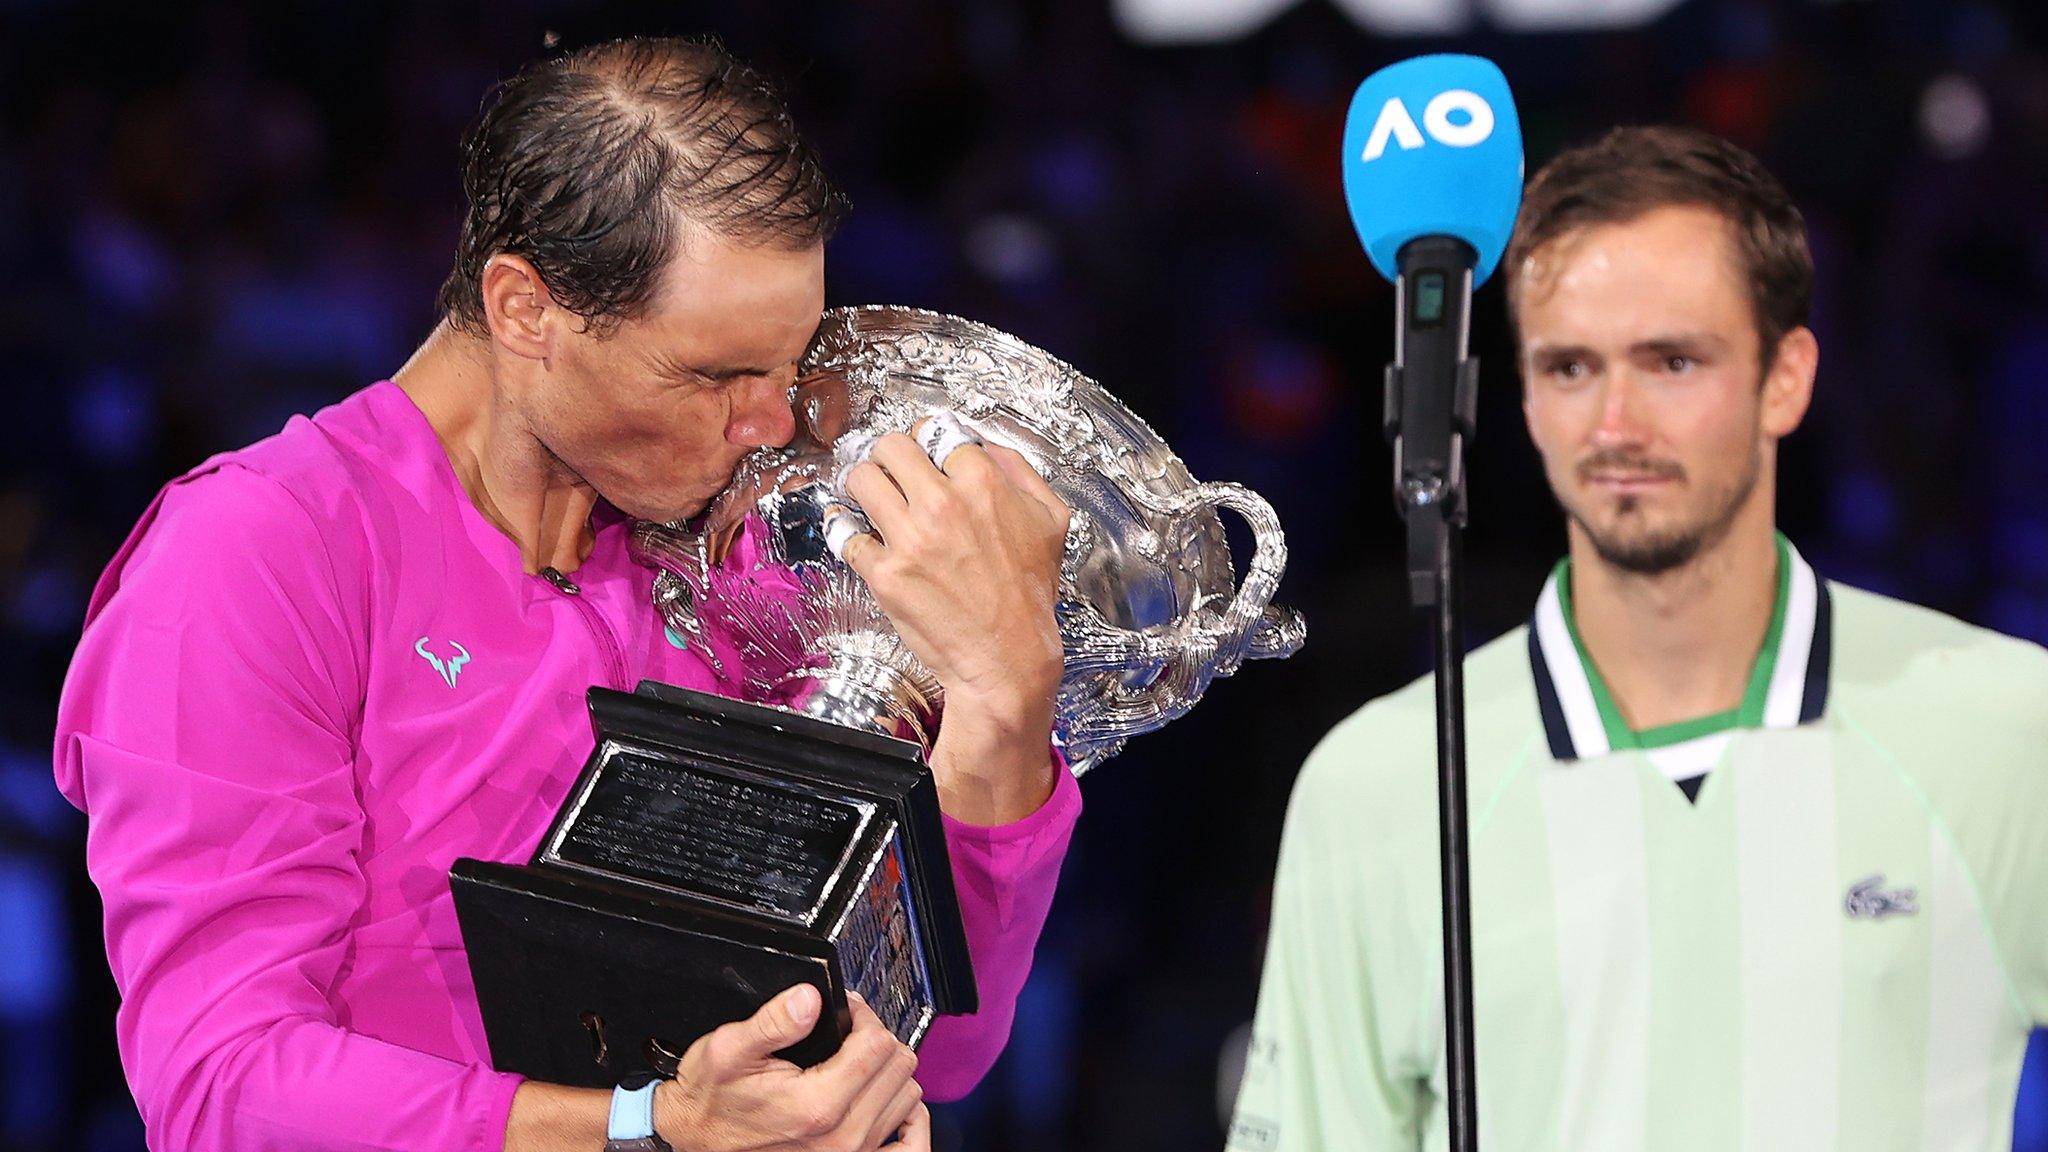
1431,399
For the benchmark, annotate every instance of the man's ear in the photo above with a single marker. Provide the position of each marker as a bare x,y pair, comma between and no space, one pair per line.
1788,386
517,307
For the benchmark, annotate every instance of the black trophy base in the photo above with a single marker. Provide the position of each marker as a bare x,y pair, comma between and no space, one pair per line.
711,855
594,968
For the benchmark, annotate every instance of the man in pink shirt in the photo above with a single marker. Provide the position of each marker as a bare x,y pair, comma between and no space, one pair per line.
326,665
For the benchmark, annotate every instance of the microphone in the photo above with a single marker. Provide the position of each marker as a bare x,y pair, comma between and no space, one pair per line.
1433,177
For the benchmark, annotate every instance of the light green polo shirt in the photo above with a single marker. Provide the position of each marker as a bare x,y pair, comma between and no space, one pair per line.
1841,944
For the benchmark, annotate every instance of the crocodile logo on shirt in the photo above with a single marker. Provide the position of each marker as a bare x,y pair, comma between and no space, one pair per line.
1868,899
449,668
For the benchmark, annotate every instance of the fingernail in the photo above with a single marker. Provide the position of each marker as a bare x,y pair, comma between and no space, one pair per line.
803,1004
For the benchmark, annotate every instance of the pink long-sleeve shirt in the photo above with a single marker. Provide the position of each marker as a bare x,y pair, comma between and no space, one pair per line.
313,677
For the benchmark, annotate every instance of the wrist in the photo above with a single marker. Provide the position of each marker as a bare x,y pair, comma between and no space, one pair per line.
629,1127
1021,708
672,1119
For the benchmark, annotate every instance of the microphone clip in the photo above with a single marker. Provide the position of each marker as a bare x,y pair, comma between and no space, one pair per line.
1431,496
1430,489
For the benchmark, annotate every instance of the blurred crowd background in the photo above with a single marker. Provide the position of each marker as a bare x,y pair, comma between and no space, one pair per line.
218,214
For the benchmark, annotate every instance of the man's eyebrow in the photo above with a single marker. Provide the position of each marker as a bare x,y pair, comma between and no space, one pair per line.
1559,352
1662,345
720,372
1678,342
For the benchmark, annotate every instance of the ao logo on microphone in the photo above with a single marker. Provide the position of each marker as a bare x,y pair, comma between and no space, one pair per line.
1458,118
1432,147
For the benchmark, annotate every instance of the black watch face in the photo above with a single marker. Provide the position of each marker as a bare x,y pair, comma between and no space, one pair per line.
643,1144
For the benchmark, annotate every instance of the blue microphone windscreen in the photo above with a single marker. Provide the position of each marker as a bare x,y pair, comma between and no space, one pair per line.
1432,147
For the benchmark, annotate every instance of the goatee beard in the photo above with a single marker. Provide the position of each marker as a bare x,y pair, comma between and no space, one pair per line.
1647,557
1655,555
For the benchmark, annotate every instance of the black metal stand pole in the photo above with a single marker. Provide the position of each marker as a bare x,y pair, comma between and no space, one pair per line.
1452,832
1431,401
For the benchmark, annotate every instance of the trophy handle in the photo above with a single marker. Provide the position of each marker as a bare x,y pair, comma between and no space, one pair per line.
1249,627
1198,647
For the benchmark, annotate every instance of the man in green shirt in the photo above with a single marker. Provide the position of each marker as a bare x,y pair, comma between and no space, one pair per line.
1759,861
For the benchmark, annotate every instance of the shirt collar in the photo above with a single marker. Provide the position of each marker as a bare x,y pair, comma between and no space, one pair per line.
1788,685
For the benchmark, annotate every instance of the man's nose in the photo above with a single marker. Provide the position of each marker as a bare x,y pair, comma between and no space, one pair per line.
1621,401
761,413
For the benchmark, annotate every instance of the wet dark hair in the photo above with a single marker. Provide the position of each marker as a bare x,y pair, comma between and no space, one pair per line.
1631,171
588,164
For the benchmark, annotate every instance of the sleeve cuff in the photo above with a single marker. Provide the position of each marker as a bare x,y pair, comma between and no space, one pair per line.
497,1114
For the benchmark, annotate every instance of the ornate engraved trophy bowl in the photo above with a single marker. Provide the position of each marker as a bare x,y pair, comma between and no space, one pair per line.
1150,609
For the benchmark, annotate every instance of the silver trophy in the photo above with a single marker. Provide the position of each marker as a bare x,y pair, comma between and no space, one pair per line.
1149,609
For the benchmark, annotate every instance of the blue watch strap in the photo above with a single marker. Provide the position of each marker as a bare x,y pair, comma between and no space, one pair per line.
632,1113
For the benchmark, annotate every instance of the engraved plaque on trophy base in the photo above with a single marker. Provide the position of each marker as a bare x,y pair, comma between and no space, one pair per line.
712,854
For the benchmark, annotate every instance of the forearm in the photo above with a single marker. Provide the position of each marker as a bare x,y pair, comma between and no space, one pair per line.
554,1118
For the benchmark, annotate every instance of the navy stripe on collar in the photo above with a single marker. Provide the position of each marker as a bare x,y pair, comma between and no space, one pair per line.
1554,730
